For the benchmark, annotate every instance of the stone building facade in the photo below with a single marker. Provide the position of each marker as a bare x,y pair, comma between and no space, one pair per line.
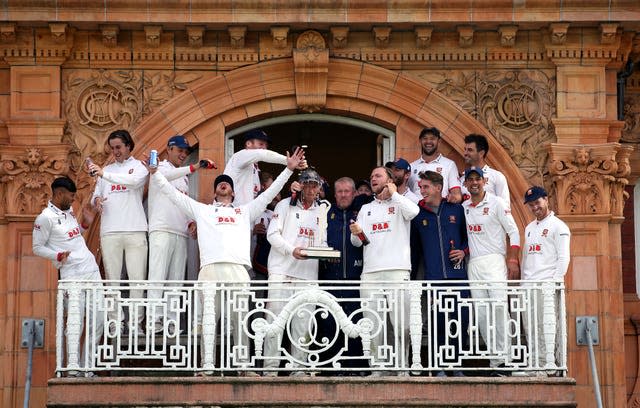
543,80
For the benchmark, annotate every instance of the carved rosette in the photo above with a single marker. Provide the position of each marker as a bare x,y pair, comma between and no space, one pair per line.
311,68
26,173
589,179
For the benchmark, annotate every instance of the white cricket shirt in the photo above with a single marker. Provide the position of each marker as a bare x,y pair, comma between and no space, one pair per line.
163,215
243,169
546,249
445,167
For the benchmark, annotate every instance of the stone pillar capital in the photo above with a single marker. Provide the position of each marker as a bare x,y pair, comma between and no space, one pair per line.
589,179
26,172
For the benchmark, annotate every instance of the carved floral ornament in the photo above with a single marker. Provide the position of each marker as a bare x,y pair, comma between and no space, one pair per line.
26,174
590,179
311,68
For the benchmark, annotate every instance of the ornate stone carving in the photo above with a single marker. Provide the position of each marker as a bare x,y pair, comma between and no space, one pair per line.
237,35
558,32
196,36
110,35
58,32
279,35
516,106
608,33
8,33
423,36
508,35
26,173
311,67
152,33
339,36
382,36
465,34
589,179
631,110
99,104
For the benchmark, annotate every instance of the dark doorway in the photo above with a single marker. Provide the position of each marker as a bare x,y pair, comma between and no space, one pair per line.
334,150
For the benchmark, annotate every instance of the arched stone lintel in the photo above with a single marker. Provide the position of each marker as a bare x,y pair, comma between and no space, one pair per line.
354,89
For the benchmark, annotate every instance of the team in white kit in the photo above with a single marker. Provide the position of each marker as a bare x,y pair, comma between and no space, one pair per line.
237,204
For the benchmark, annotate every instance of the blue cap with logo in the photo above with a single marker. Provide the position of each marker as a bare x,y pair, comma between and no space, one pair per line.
400,163
534,193
179,141
470,170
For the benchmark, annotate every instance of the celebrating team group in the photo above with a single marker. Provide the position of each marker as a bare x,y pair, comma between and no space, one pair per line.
421,220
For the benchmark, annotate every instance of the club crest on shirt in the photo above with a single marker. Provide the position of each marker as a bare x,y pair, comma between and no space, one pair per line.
545,232
485,211
392,210
333,216
425,222
237,210
439,170
36,227
452,219
130,171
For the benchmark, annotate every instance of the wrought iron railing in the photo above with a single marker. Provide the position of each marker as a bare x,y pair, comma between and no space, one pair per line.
320,327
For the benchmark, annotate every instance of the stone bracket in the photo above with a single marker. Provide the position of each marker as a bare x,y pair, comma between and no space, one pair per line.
311,69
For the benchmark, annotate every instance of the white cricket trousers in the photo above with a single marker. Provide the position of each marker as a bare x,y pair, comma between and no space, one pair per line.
224,272
397,302
91,303
134,247
167,262
490,304
282,288
541,322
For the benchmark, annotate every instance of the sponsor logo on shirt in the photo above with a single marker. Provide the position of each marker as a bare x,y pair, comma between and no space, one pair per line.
226,220
118,187
377,227
305,232
74,232
475,228
535,248
36,227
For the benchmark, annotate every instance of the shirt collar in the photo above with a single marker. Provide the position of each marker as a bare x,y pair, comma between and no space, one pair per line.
436,160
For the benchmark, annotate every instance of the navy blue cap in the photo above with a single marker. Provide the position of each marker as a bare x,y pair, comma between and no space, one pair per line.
178,141
470,170
257,134
222,178
534,193
400,163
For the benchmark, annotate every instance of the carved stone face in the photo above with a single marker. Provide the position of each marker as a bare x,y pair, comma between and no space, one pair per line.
582,156
33,157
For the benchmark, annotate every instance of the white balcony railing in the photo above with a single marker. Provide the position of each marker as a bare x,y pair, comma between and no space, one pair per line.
327,327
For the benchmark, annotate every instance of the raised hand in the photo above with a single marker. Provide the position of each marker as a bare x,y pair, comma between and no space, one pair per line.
294,160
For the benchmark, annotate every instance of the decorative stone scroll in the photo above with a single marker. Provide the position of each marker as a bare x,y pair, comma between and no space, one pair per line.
589,179
311,68
27,172
110,35
508,35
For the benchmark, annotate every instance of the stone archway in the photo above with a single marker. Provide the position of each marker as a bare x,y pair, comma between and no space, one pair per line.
354,89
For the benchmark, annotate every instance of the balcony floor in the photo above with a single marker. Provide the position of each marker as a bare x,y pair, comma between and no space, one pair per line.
228,391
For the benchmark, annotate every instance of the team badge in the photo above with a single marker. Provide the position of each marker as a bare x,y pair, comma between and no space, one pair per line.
452,219
425,222
545,232
238,210
439,170
392,210
130,171
485,211
333,216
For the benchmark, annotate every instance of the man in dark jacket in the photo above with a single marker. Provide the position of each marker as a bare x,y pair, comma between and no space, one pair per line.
439,239
348,267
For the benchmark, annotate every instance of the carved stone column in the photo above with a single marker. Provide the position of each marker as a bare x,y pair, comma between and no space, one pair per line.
588,186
